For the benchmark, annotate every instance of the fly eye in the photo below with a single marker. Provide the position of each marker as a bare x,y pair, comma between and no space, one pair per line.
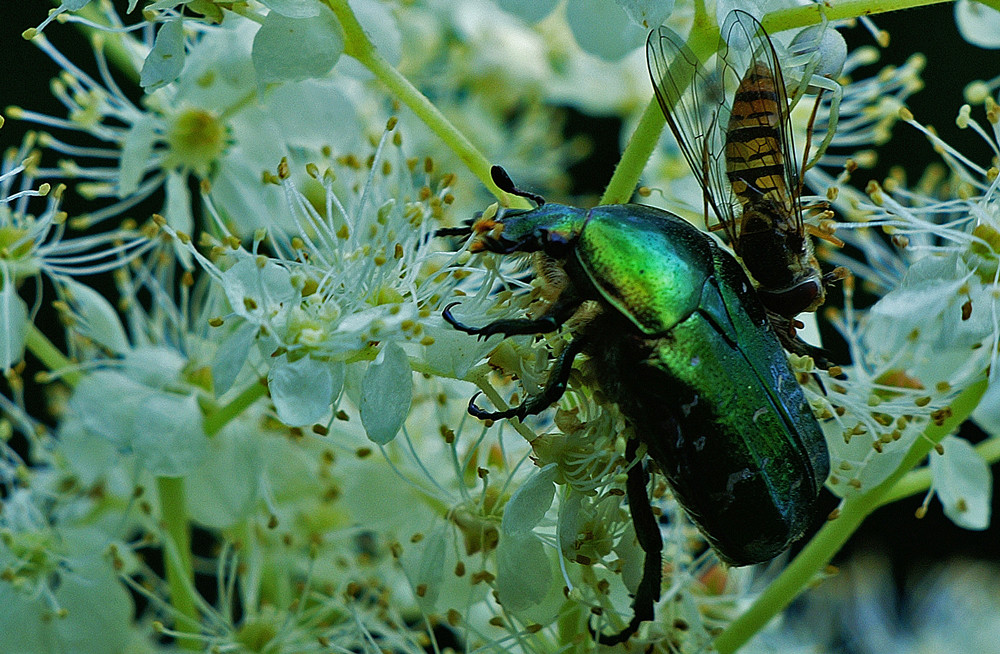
790,301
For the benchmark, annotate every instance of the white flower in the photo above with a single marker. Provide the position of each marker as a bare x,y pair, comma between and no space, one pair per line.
210,123
34,244
933,332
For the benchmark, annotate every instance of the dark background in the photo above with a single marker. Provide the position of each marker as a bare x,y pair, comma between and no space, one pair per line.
912,545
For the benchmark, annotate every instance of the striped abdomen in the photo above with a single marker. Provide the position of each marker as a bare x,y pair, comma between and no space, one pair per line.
755,163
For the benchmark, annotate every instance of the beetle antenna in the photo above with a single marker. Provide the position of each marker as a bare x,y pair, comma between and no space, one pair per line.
506,184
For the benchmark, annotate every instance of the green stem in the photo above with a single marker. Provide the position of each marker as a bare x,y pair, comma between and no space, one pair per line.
359,46
786,19
640,146
218,419
832,536
177,556
702,42
39,344
989,450
570,618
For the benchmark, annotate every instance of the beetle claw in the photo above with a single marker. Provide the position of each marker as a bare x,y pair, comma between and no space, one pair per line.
515,412
613,639
454,322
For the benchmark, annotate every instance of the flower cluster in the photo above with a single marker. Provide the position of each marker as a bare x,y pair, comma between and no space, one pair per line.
256,432
933,330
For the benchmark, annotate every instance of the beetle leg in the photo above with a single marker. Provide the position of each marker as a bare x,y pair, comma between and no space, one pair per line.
647,531
550,322
554,388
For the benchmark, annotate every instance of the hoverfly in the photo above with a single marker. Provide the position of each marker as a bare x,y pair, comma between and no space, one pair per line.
733,127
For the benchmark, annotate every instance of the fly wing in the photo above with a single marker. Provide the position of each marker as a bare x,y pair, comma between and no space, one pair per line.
693,101
749,57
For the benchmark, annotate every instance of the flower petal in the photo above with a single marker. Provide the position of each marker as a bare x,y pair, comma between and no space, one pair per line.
231,355
96,318
13,325
294,8
301,390
224,489
431,573
603,28
166,60
136,151
963,483
978,24
529,503
523,571
386,392
531,11
108,404
169,439
257,292
296,48
647,13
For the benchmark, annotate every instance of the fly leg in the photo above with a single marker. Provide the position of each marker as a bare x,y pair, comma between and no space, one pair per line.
786,331
647,531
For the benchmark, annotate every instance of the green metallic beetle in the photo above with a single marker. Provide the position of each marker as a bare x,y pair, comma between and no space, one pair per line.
684,347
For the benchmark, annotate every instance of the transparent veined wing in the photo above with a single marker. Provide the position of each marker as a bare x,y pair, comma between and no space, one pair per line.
693,99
